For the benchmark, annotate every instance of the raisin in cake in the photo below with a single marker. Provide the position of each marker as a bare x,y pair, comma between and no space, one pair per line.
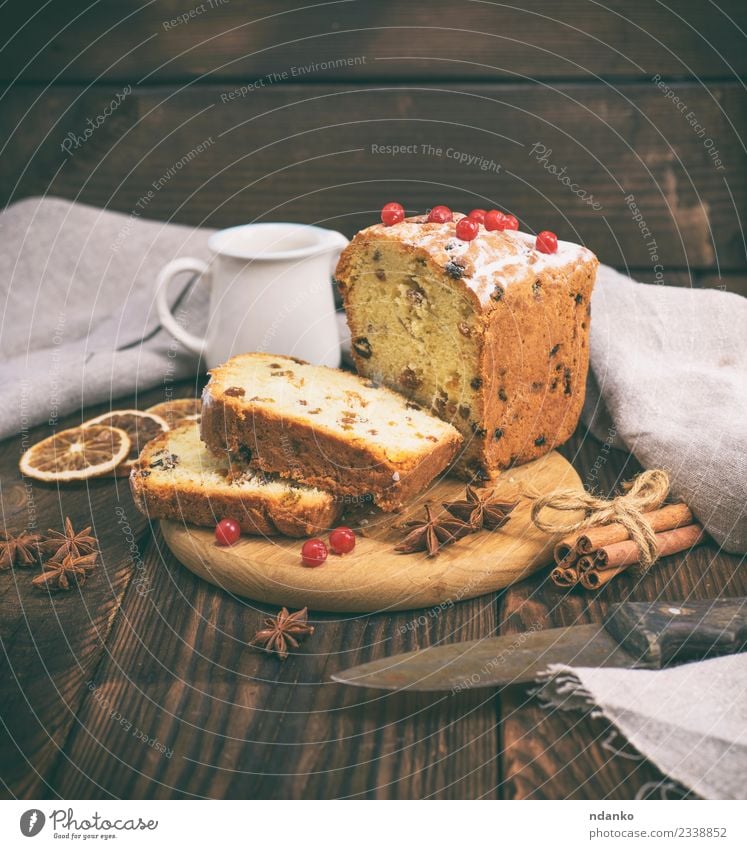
177,477
490,334
325,427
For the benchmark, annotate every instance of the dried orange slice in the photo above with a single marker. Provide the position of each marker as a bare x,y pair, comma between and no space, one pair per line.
139,426
179,411
76,454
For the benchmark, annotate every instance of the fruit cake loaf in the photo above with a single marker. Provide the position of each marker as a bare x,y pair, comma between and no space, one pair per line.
177,477
325,427
489,334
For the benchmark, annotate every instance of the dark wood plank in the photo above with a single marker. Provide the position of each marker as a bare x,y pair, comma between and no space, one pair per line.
125,40
145,688
558,755
52,644
736,283
239,724
313,154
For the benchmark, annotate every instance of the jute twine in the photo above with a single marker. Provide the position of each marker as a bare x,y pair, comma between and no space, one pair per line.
645,492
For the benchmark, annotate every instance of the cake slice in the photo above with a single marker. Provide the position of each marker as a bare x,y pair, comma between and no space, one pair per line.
491,335
176,477
324,427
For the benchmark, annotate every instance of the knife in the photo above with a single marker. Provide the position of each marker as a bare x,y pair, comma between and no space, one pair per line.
634,635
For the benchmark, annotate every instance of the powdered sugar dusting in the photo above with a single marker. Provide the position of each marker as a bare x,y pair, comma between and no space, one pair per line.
493,258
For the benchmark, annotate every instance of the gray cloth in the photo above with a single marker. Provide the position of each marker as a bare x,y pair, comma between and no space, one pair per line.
668,366
669,383
78,300
690,720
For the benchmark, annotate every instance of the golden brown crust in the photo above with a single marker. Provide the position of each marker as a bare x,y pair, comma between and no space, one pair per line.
535,362
273,442
256,513
530,341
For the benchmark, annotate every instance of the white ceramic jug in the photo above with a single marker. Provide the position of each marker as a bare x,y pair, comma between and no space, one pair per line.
270,291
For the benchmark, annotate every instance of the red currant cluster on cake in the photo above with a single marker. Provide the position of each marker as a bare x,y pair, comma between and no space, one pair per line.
468,228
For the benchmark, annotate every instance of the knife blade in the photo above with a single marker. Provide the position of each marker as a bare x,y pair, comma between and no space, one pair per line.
634,635
494,661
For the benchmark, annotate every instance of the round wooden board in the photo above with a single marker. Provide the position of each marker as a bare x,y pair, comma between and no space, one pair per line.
374,577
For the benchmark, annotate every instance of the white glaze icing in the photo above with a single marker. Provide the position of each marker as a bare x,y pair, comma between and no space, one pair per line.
493,257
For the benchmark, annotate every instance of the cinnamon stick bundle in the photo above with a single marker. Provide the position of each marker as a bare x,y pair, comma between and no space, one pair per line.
595,579
565,576
610,561
590,539
669,542
594,556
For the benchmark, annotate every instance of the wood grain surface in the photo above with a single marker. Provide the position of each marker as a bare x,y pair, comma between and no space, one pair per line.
322,154
122,39
269,569
144,685
568,753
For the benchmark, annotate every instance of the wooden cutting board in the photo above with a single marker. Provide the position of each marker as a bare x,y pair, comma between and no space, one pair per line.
374,577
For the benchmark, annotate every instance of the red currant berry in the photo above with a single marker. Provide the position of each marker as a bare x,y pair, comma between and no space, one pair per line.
494,220
392,213
478,215
510,222
313,552
342,540
227,532
440,215
466,229
547,242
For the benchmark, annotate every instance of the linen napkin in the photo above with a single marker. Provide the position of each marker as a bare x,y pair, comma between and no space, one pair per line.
78,324
668,383
668,377
690,720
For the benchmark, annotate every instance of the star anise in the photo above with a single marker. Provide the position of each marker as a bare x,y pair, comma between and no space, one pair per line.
69,541
283,630
481,511
18,549
432,533
70,572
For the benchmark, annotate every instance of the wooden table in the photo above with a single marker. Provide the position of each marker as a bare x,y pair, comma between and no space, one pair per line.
143,685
